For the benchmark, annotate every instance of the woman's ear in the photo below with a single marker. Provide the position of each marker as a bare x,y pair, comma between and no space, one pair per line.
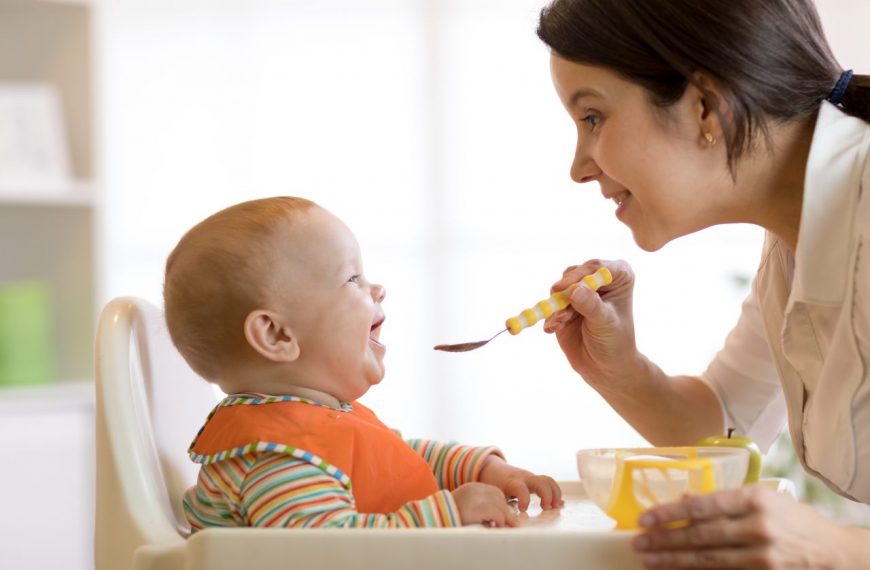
711,107
267,334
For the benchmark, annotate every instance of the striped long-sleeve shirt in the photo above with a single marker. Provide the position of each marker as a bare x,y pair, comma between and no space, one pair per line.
278,490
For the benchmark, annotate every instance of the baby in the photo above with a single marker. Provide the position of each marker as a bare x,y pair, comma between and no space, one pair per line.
268,300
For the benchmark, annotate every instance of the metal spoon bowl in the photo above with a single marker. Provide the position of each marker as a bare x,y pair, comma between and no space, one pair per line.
465,346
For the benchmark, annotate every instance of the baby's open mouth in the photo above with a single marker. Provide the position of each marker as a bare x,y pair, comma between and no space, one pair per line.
375,331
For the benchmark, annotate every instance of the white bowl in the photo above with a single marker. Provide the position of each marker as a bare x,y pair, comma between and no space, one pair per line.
658,475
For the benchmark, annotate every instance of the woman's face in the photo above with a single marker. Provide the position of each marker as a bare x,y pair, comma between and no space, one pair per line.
655,164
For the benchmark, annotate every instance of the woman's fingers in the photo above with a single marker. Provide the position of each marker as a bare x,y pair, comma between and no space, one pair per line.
752,527
718,533
558,321
735,502
596,331
585,301
571,275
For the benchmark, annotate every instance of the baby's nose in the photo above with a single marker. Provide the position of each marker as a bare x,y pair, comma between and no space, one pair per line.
378,292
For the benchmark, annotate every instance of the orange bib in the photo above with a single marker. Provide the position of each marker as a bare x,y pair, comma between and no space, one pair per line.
353,446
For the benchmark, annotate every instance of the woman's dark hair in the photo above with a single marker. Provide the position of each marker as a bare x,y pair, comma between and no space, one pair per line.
770,58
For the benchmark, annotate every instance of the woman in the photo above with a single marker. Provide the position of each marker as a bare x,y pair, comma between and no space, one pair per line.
692,113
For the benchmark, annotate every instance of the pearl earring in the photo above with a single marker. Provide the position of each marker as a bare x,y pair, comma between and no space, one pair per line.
710,140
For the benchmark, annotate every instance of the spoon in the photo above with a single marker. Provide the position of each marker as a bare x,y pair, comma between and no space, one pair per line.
543,309
466,346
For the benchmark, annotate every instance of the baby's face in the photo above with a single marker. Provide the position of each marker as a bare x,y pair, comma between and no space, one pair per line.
333,310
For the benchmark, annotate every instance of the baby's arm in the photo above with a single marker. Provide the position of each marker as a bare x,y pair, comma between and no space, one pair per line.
282,491
453,464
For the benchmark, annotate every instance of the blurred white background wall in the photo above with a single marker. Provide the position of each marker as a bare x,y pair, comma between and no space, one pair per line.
432,128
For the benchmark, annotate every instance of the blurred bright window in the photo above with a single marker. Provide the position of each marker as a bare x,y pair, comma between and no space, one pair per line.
432,128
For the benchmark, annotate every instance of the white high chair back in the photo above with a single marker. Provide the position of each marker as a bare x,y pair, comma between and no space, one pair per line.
150,405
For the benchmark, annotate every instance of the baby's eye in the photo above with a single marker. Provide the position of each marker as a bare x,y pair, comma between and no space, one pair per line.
354,279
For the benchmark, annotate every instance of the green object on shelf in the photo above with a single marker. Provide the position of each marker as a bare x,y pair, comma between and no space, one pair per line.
26,353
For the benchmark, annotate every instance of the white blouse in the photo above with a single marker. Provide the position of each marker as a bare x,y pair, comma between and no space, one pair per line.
801,348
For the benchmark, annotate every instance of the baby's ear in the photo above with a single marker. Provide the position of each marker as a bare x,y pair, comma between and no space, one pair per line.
269,335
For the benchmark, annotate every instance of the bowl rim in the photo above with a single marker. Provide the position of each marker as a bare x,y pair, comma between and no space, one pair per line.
663,450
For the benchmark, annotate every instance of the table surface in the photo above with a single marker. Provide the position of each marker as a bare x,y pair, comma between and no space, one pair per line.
579,512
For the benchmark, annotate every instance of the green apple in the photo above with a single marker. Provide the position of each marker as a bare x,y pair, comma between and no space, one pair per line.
730,440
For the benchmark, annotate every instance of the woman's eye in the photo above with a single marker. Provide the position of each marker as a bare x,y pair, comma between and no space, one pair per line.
592,120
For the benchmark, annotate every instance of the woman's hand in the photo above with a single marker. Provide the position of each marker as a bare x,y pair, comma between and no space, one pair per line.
596,331
750,527
519,483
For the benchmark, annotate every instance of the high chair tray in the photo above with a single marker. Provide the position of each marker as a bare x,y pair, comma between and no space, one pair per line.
578,535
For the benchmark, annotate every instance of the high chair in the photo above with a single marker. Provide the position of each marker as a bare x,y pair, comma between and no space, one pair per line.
150,404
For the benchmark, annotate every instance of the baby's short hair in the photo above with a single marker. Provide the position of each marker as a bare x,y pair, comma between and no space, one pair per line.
217,274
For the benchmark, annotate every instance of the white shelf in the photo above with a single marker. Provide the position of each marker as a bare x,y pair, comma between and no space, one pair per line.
73,193
48,232
47,225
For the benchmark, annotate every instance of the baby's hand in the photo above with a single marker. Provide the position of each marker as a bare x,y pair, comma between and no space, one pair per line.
520,483
479,503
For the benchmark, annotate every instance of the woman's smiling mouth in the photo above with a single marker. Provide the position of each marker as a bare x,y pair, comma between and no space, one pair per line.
620,198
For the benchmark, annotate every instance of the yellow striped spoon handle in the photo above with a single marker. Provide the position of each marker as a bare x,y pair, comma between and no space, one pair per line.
556,302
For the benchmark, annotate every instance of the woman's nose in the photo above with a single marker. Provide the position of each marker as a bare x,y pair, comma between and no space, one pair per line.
583,169
378,292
